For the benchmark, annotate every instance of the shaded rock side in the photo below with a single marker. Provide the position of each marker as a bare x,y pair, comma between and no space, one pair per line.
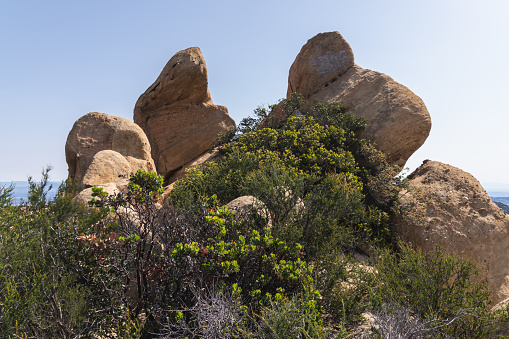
201,160
95,132
177,113
461,218
321,60
324,71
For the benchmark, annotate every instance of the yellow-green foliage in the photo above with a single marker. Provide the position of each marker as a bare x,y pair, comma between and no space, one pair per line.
192,269
303,162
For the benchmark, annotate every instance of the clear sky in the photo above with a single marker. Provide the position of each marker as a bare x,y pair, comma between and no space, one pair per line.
62,59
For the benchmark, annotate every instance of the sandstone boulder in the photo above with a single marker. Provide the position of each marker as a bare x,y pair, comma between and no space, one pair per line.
398,121
178,115
86,195
95,132
321,60
461,218
242,207
106,166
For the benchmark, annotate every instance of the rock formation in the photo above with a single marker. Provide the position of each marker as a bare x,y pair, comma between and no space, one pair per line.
324,58
242,207
324,71
111,188
127,149
178,115
106,166
461,218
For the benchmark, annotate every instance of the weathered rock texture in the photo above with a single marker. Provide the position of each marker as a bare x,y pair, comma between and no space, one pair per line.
461,218
177,113
321,60
106,166
324,71
111,188
95,132
242,207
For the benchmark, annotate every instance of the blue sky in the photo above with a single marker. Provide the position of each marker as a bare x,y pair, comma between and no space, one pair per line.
62,59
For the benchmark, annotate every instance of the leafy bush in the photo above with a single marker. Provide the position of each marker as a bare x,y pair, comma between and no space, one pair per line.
6,198
39,293
312,161
442,290
132,266
37,192
295,317
162,255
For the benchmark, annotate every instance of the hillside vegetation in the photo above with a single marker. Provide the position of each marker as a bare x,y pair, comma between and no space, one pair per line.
314,256
502,206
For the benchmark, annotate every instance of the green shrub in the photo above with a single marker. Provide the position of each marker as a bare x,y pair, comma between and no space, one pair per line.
39,294
438,288
37,192
6,198
309,164
165,254
295,317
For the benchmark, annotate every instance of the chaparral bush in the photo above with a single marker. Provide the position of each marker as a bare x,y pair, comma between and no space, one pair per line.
132,265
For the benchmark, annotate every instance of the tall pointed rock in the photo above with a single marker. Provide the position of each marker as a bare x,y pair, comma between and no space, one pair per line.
177,113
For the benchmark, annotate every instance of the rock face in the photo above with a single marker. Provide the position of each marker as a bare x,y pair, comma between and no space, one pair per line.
177,113
324,71
106,166
95,132
461,219
86,195
322,59
242,207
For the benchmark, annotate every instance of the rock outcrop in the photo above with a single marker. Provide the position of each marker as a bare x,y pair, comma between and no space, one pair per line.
320,61
242,207
461,218
324,71
178,115
106,166
127,149
111,188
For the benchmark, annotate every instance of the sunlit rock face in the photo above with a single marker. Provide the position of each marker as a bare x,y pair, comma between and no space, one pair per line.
129,149
324,71
178,115
461,218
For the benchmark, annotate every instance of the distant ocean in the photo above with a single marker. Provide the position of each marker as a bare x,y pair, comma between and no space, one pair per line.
498,193
20,192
